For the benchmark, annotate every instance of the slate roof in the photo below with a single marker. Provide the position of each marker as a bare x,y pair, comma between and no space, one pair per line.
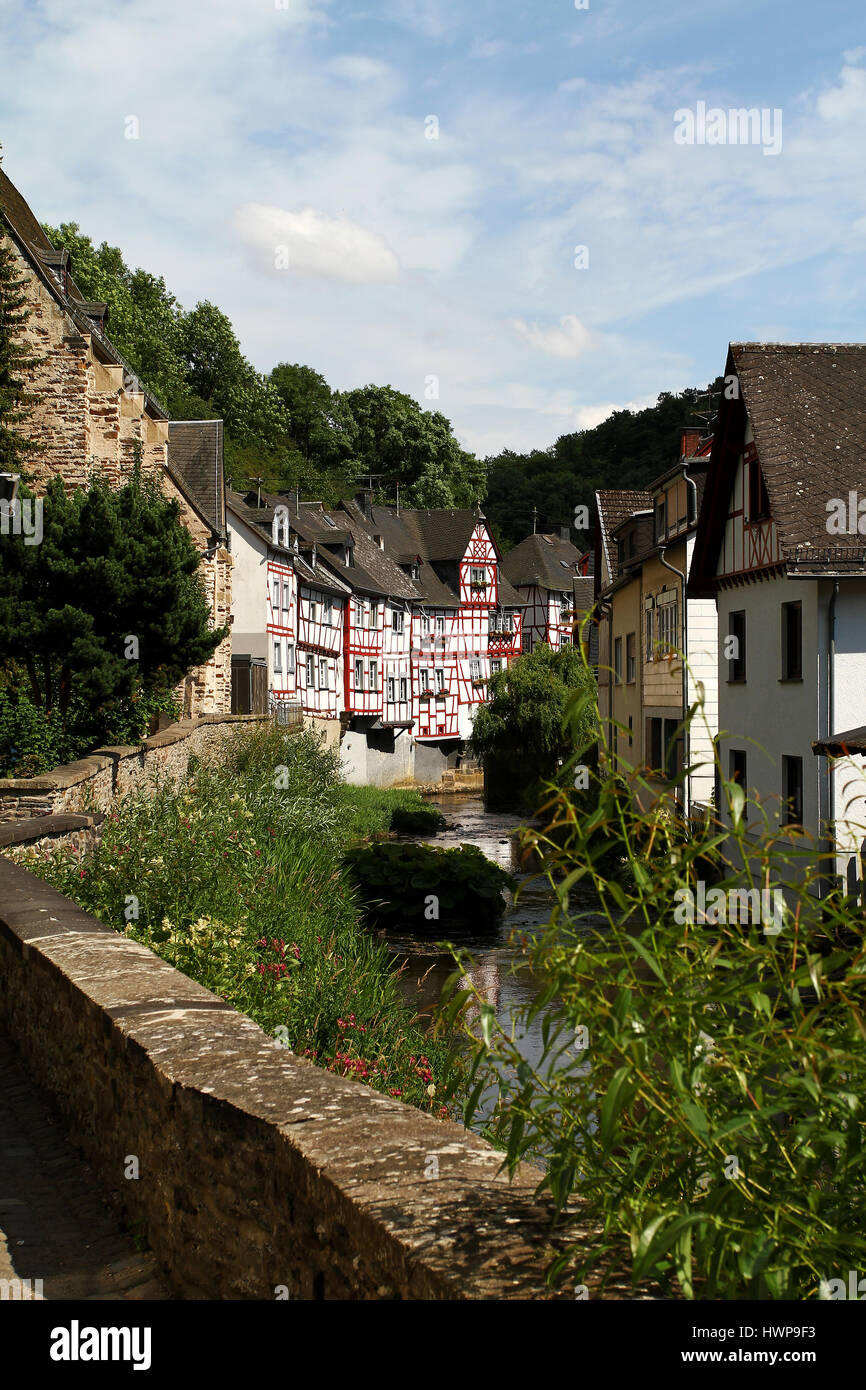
615,507
547,561
195,459
261,519
851,742
807,407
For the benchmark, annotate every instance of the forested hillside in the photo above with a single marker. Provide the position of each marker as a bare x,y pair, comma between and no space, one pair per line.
291,429
627,450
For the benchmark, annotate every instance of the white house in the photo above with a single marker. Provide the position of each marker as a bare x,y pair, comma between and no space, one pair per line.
780,548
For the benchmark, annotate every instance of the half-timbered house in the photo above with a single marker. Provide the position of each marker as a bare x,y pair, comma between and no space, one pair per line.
542,569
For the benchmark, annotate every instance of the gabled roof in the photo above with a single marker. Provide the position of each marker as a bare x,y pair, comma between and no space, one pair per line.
46,261
807,406
615,507
260,520
195,459
546,561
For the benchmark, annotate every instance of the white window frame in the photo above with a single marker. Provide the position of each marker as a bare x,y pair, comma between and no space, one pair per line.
374,677
440,679
392,690
359,674
323,673
397,621
290,658
278,656
404,690
310,664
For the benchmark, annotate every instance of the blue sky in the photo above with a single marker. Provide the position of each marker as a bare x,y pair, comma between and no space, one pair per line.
283,170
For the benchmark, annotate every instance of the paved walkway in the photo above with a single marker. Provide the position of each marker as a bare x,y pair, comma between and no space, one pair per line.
53,1225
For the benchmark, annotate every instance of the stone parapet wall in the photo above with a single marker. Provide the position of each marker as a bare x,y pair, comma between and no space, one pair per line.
92,783
259,1175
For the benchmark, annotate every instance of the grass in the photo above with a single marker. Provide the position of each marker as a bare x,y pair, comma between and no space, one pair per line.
235,877
373,807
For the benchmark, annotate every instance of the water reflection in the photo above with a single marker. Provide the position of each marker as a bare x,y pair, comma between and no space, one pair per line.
498,970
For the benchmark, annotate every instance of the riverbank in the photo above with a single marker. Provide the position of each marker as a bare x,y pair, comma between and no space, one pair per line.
233,875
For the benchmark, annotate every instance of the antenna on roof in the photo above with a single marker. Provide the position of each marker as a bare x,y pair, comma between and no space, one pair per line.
258,482
534,518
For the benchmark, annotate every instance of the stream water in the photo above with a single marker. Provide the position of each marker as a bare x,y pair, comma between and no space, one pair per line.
497,970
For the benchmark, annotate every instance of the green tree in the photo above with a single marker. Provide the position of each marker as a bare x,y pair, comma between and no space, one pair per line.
108,606
319,422
416,448
521,733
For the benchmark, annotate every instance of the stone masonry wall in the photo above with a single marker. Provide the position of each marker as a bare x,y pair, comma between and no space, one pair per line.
259,1175
85,423
93,782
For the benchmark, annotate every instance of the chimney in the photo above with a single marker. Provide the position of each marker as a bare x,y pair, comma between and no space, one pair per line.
364,500
690,441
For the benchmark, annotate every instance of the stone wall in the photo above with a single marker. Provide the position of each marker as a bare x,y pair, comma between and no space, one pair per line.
87,419
93,782
259,1175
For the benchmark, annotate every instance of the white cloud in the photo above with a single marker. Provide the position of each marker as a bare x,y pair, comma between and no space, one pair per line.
848,100
311,243
570,339
357,68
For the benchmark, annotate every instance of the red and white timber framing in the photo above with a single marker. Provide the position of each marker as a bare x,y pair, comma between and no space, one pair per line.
751,540
363,627
547,617
281,628
434,673
320,650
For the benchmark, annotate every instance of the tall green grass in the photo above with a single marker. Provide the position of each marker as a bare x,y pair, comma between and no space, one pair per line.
234,875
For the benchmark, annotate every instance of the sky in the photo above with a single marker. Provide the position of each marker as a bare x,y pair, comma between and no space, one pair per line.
514,212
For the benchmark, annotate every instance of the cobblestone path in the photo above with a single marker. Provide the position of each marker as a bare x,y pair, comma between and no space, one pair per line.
53,1225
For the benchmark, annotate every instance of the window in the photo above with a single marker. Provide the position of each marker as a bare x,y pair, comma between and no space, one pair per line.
735,646
286,595
630,659
359,615
397,619
759,501
664,746
792,791
564,605
311,673
440,627
474,669
630,730
392,689
374,676
668,624
425,680
660,519
478,577
374,616
290,658
792,641
617,660
737,772
359,674
648,624
404,688
495,666
328,611
278,656
440,678
425,626
276,599
314,610
414,571
323,673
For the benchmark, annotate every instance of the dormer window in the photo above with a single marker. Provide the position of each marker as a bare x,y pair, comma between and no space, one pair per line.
414,571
